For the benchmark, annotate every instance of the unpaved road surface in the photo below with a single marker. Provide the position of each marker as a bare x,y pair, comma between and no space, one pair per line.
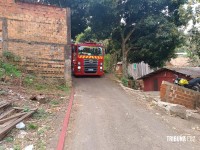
105,117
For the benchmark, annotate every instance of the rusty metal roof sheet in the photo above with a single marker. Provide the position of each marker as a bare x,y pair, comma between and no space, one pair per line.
193,72
190,71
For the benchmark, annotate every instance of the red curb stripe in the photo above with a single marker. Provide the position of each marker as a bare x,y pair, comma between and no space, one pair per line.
63,133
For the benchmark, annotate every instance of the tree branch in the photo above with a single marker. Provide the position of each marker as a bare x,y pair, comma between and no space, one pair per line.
122,35
129,34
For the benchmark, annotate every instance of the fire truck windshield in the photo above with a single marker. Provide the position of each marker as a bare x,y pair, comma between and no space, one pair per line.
91,51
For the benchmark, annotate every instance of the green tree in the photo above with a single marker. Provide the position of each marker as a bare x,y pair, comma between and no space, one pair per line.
146,29
85,36
190,14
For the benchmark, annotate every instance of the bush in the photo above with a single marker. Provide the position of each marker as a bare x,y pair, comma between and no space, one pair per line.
124,81
9,69
107,66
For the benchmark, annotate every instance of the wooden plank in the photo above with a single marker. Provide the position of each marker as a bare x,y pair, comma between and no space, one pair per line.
12,117
2,102
7,113
9,127
19,108
5,105
7,123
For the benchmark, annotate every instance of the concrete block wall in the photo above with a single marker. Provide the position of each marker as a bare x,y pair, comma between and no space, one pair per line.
179,95
39,34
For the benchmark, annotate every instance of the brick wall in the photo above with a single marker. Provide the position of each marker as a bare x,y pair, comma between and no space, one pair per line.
39,34
179,95
1,35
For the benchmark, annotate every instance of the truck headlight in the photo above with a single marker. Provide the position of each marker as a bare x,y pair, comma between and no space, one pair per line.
79,63
101,68
79,67
101,64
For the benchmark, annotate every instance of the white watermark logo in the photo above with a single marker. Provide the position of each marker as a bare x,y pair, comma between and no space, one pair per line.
181,138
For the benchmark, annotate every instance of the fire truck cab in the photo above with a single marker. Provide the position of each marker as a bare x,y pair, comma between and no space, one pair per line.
87,59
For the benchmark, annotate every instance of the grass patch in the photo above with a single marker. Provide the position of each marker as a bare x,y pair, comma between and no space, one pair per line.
40,87
43,130
40,114
9,139
64,88
29,80
2,72
54,102
2,148
32,126
26,109
17,147
41,145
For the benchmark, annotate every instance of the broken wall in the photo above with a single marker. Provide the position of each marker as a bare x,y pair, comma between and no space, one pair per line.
179,95
39,35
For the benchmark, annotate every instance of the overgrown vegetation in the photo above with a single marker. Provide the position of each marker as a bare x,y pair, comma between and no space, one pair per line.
189,14
7,67
9,70
107,63
54,102
130,82
40,114
124,81
11,56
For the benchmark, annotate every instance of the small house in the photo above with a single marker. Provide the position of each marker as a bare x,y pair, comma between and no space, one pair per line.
153,80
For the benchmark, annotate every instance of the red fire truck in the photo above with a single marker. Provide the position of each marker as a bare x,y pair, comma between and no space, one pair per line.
87,59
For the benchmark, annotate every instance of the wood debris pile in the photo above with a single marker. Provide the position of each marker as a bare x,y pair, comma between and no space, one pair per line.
10,116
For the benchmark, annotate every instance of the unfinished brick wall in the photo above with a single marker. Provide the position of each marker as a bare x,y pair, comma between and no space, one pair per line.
1,35
179,95
39,34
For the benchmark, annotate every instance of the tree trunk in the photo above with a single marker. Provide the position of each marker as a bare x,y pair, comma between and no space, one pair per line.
124,60
125,51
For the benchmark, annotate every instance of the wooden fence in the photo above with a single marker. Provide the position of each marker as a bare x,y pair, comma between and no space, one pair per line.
137,70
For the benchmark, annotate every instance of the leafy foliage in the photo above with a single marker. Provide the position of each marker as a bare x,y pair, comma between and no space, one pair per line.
124,81
107,63
143,30
85,36
190,14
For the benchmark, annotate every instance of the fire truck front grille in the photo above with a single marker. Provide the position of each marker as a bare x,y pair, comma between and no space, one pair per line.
90,65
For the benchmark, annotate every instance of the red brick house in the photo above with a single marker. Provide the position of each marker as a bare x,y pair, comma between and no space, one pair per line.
153,81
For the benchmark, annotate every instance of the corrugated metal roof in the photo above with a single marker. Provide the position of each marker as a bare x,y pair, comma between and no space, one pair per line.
193,72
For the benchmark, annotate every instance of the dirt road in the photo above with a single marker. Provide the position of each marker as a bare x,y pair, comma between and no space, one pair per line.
105,117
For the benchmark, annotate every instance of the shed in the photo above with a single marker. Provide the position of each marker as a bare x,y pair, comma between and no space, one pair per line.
153,80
